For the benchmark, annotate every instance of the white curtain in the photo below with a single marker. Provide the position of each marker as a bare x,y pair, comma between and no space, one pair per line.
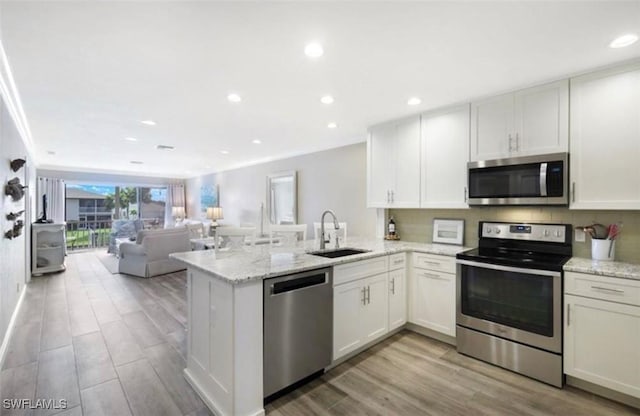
54,189
175,198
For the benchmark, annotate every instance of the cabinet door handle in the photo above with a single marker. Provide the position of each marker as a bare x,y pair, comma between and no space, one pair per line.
517,142
606,289
393,286
573,192
435,263
399,261
393,197
364,295
465,194
368,295
568,314
388,197
433,276
510,140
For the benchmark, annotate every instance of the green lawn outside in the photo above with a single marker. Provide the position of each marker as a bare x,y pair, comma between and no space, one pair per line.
80,238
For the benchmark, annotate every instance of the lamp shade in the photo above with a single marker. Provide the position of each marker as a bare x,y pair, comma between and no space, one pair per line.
177,212
214,213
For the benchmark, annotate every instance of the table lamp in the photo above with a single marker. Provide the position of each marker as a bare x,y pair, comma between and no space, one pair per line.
177,213
214,214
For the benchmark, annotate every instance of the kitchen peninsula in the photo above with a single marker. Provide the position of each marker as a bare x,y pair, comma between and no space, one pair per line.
225,296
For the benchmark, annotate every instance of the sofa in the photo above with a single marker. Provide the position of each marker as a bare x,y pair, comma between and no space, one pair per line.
148,256
123,229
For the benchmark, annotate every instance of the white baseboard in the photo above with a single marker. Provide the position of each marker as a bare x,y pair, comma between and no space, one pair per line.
7,336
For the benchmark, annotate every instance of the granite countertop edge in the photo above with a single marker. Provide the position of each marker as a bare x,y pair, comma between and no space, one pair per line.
603,268
205,261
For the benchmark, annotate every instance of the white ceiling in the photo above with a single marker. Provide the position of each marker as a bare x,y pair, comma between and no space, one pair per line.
88,72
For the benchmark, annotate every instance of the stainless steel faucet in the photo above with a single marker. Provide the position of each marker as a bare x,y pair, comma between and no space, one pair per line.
335,224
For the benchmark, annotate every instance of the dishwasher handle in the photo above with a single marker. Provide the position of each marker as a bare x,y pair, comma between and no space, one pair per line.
298,283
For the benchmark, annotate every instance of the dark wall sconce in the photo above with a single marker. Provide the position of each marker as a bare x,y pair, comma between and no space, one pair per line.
16,231
14,215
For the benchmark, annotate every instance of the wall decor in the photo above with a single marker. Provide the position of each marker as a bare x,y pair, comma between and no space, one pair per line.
14,215
448,231
14,189
16,164
208,197
16,231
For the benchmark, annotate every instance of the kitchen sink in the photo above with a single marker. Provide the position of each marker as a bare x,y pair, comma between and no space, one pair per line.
340,252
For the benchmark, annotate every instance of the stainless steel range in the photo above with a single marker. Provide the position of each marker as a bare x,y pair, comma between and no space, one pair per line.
509,298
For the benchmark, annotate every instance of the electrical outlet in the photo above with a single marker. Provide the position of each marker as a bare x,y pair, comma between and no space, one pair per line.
580,236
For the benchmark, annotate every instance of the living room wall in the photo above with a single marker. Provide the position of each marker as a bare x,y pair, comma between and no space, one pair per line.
14,253
332,179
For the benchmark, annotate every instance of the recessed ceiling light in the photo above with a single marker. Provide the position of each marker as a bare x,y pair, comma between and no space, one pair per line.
327,99
414,101
332,125
131,139
256,141
51,152
234,98
624,40
313,50
136,162
224,152
164,147
148,122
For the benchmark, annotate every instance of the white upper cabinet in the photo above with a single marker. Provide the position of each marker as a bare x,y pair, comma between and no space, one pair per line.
605,139
527,122
393,164
445,153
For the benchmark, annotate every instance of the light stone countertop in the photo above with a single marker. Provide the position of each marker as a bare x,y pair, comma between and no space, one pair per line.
603,268
262,262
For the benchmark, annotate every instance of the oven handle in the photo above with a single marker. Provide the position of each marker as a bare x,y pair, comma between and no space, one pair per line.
508,268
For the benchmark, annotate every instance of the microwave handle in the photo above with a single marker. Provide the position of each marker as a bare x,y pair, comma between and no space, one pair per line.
543,179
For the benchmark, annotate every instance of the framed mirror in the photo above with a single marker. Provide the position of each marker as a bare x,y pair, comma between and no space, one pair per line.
282,197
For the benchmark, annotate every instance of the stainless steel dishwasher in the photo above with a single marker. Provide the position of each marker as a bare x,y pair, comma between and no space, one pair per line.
298,327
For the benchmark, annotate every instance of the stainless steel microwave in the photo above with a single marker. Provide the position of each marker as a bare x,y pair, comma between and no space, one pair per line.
527,180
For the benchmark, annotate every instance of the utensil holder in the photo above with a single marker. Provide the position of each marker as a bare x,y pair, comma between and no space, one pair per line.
602,249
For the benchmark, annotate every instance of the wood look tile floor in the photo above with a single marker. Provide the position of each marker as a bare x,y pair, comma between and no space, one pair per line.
115,345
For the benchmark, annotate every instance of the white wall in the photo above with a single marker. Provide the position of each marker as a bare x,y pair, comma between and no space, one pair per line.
332,179
14,257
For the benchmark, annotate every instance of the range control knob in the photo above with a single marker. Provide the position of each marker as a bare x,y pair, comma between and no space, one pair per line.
545,233
497,230
558,233
488,230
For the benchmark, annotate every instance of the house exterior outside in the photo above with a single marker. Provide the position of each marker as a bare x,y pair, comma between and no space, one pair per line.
84,207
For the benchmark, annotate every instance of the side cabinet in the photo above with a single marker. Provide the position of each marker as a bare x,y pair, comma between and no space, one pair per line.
605,139
47,248
602,331
433,293
224,327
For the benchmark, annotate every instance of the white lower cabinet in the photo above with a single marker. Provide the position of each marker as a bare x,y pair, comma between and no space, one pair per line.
601,336
397,298
360,311
433,293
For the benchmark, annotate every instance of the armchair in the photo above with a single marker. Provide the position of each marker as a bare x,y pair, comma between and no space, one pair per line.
123,229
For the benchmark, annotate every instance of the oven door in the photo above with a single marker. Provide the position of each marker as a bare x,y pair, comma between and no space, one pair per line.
519,304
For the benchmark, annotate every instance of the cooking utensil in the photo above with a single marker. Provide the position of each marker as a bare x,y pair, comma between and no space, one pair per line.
600,231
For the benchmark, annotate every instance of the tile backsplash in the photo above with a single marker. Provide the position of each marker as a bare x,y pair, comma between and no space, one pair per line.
417,224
